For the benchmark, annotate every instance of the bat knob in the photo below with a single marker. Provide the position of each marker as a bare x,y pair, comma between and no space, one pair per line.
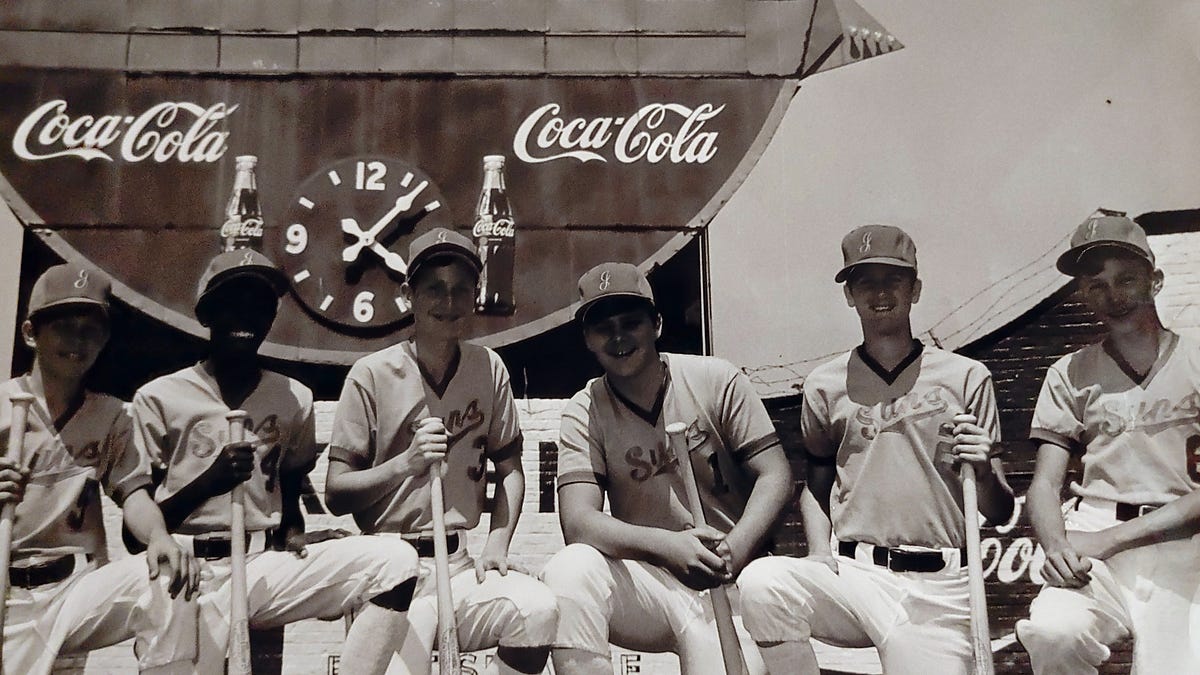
234,415
22,398
676,428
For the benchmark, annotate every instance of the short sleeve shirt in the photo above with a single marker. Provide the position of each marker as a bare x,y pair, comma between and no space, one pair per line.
1139,436
180,425
75,459
605,442
882,430
381,405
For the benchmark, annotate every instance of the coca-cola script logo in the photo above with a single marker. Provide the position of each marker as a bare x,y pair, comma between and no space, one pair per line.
486,227
657,132
179,130
250,227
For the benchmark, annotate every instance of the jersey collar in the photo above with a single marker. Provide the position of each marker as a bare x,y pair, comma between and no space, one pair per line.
1166,346
889,376
439,387
649,416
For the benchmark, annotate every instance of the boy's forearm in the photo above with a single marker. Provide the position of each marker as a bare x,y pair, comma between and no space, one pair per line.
771,494
510,491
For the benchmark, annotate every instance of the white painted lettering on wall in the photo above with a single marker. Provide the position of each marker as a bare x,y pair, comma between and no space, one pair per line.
172,130
657,132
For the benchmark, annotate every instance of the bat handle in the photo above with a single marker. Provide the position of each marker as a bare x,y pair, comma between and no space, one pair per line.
981,642
16,450
239,610
448,647
731,648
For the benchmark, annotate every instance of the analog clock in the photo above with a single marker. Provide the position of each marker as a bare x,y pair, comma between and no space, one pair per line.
343,239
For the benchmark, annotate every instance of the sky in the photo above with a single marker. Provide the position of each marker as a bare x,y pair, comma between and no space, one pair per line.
989,137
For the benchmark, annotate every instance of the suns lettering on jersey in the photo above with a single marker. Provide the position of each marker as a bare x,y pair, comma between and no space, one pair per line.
648,463
459,423
891,416
1149,417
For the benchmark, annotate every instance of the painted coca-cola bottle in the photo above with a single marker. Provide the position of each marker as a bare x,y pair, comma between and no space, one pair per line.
243,226
496,238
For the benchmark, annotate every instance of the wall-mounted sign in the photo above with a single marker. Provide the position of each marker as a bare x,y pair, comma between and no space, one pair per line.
133,173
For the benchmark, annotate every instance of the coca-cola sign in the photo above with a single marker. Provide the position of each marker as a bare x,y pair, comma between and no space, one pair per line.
486,227
656,132
249,227
171,130
154,208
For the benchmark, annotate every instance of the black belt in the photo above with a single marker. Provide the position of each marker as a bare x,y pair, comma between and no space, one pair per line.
424,545
218,548
46,573
1130,511
900,560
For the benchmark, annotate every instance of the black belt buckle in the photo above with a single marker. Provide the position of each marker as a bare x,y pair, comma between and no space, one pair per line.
901,560
39,575
218,549
1126,512
424,545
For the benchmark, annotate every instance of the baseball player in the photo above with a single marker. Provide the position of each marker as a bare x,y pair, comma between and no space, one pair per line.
62,596
180,425
637,578
1121,556
885,426
429,399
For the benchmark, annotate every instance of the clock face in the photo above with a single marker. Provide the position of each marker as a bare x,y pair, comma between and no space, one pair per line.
343,240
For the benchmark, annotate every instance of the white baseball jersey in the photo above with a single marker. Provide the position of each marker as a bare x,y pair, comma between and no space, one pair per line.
1139,437
882,430
75,458
387,394
609,442
179,423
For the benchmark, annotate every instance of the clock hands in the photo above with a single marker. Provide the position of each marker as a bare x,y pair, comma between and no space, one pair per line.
367,239
390,258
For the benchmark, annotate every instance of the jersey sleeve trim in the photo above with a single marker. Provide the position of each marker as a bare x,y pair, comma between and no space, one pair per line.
1046,436
119,493
509,451
573,477
348,457
754,448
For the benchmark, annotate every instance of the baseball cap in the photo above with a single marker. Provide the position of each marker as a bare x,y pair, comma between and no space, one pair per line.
69,284
438,242
1097,231
884,244
238,264
611,280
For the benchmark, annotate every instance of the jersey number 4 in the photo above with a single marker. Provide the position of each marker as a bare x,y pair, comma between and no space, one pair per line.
1193,457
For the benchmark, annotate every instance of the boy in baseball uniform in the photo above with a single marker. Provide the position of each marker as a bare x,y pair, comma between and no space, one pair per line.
1122,556
62,597
638,578
430,399
180,426
885,427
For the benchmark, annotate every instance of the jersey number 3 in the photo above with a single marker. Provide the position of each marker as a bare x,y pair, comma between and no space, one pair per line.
1193,457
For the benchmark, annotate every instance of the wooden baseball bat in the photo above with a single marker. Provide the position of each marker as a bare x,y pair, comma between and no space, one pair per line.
239,610
981,636
731,648
448,659
16,447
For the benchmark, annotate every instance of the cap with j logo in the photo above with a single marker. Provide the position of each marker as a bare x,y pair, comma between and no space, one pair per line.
1102,231
70,284
440,242
883,244
237,264
611,280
